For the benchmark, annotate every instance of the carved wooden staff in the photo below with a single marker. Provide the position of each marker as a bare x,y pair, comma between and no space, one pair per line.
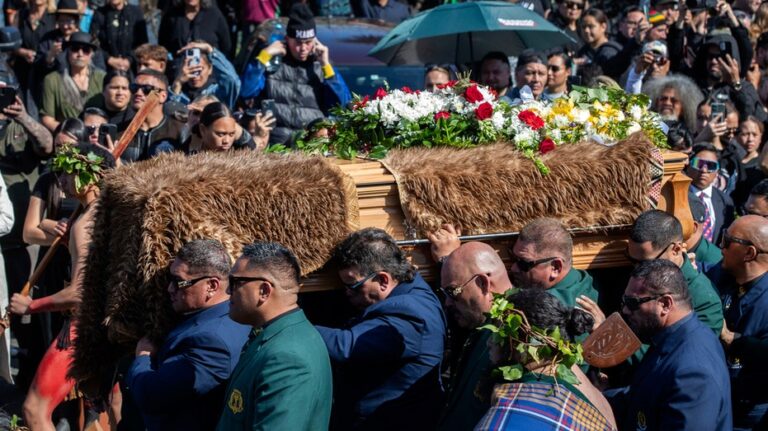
122,145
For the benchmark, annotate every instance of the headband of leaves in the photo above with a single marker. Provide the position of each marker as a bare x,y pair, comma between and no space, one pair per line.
510,328
86,168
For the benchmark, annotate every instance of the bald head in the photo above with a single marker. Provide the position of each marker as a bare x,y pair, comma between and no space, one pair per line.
471,275
752,228
744,248
478,258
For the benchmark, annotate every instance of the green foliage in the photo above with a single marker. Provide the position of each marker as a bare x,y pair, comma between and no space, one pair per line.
85,168
512,331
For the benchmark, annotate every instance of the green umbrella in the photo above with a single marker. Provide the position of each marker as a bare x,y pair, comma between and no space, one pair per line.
464,32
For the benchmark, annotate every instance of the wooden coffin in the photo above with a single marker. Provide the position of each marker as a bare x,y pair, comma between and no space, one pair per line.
596,248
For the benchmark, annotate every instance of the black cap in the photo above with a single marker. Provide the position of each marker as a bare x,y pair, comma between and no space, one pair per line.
301,22
10,39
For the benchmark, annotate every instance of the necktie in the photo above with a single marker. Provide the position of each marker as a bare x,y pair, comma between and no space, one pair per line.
708,220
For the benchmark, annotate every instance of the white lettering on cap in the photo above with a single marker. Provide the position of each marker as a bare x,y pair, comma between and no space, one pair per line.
517,22
305,34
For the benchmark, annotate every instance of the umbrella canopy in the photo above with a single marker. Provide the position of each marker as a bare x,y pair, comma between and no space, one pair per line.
464,32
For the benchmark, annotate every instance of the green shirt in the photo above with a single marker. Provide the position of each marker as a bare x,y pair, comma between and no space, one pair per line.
282,381
464,409
54,102
708,253
705,300
573,285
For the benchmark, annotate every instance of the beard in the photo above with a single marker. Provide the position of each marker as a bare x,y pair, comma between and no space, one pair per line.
645,327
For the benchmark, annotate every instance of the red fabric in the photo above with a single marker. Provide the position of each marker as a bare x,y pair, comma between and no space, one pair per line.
51,380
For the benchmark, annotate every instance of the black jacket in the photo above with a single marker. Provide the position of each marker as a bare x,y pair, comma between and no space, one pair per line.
209,25
119,31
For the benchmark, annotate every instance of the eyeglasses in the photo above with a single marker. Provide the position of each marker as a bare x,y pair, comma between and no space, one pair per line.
185,284
238,282
356,285
145,88
633,23
574,5
527,265
727,240
554,68
454,291
91,130
633,303
85,49
731,131
639,261
704,165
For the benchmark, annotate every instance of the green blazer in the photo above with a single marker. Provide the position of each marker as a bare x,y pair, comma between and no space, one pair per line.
282,381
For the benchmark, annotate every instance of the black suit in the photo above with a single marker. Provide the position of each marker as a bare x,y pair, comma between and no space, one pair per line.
724,212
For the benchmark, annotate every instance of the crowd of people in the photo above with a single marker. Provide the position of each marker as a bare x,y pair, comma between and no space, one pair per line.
244,354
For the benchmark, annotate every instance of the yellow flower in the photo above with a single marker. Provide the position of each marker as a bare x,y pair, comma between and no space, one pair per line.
562,107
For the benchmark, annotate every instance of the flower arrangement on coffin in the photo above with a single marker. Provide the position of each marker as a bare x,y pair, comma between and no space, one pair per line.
465,114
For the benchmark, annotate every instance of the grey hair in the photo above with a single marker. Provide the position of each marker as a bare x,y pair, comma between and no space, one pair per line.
689,93
273,257
206,256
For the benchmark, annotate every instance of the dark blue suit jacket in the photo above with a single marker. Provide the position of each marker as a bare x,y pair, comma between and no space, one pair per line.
182,386
681,383
748,315
387,363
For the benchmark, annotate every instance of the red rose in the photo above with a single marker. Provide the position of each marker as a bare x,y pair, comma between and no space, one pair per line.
484,111
361,103
531,119
406,90
449,84
473,95
442,115
546,146
380,93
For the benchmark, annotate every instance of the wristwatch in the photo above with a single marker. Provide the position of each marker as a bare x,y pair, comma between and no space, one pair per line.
736,85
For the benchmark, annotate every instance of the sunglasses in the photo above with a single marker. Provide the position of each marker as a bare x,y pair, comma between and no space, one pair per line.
186,284
554,69
727,240
574,5
356,285
527,265
453,292
144,88
731,131
705,165
639,261
633,303
669,99
85,49
91,130
238,282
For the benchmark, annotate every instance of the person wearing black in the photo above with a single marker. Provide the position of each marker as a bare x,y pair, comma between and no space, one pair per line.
33,21
120,28
115,98
193,20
